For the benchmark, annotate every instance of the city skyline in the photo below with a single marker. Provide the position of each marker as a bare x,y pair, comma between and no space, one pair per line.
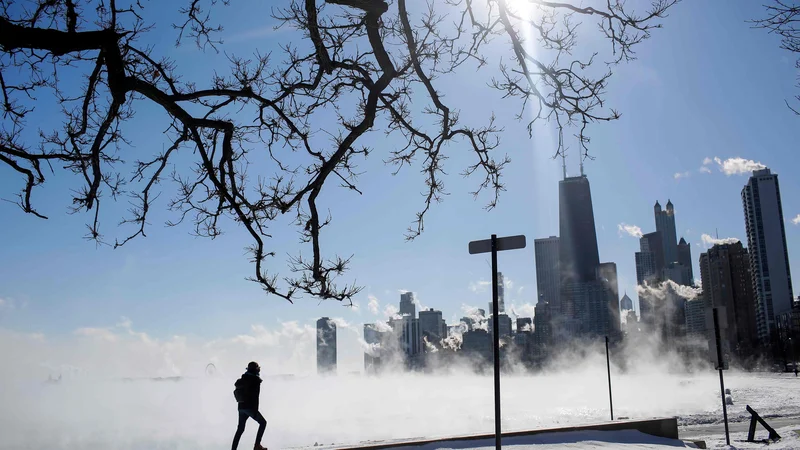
164,287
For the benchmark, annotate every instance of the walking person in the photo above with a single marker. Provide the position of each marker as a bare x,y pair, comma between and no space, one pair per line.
246,392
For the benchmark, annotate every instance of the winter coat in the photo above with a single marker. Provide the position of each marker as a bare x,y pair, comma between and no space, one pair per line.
249,387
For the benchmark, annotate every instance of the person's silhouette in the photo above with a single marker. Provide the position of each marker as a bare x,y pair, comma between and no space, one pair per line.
246,392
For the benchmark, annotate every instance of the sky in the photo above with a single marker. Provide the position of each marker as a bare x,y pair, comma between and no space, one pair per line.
703,103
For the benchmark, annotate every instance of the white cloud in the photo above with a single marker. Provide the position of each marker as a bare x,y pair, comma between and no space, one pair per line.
373,305
796,220
479,286
732,166
709,241
631,230
390,311
103,334
738,166
679,175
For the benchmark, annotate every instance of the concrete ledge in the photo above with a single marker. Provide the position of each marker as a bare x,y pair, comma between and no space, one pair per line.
660,427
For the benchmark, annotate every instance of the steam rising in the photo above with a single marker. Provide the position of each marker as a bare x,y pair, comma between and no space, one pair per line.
110,395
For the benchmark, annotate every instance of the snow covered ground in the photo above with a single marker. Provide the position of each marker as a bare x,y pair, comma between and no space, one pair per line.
790,440
201,414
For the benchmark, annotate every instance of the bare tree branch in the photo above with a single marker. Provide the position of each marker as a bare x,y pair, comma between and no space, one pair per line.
356,61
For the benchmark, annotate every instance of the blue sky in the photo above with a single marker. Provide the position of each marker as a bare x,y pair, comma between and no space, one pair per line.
706,85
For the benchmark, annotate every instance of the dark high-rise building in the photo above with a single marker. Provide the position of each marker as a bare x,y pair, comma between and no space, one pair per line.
685,260
548,278
524,325
727,282
505,325
769,258
431,326
650,258
607,274
326,346
593,311
578,255
626,304
542,324
665,224
408,306
501,294
477,343
407,332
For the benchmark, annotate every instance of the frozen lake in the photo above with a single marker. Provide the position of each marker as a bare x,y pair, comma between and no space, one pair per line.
200,413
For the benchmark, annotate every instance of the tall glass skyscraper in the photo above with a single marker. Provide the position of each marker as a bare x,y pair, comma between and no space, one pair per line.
665,224
326,346
769,258
578,253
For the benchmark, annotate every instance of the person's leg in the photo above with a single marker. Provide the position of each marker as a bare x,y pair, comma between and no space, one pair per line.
239,430
262,426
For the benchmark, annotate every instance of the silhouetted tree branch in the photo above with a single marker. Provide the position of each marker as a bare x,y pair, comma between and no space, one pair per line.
783,18
358,61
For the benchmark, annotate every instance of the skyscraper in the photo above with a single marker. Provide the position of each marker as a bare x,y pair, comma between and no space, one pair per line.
548,279
769,258
685,260
326,346
626,304
665,224
407,331
696,318
505,325
578,255
542,324
607,274
591,309
501,294
408,306
727,282
650,258
431,326
524,325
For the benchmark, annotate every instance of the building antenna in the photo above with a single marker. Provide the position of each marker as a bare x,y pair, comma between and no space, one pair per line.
564,163
716,230
581,157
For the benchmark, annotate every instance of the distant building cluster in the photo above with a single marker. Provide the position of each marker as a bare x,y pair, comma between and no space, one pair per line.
750,287
578,295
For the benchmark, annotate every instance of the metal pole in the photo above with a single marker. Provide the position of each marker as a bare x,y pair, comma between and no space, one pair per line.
496,340
721,380
608,365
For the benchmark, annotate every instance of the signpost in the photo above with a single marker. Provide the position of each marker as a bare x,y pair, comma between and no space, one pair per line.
495,245
721,366
608,365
